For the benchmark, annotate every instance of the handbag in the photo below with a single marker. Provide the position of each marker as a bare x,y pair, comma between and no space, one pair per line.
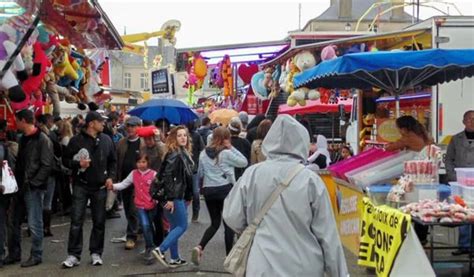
9,183
236,261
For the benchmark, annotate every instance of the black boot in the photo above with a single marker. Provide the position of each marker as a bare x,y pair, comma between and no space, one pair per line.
47,223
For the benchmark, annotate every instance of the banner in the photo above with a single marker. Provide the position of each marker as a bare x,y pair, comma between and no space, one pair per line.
382,232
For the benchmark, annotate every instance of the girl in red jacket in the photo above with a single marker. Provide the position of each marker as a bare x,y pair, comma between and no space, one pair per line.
142,178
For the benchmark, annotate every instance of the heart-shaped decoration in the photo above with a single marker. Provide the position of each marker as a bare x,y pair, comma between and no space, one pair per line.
247,71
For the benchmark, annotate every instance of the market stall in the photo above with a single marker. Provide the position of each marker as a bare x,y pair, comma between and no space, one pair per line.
48,47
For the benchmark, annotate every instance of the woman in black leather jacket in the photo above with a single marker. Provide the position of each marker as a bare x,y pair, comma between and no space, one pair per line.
176,174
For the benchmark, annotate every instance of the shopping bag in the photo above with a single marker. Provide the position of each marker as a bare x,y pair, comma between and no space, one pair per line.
8,179
236,261
111,196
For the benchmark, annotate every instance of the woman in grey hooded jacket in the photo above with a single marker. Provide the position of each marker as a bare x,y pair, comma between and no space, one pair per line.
216,166
298,235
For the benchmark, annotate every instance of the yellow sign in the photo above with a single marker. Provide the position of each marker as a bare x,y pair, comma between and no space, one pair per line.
388,131
348,216
382,232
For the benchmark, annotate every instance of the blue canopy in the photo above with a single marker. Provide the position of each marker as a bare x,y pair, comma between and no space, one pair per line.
393,71
175,111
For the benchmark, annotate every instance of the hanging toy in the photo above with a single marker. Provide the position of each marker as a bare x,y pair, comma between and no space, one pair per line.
226,72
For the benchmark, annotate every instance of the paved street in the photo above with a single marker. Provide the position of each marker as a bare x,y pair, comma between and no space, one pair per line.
120,262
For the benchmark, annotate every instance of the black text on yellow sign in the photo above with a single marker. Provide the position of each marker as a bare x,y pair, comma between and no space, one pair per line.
382,232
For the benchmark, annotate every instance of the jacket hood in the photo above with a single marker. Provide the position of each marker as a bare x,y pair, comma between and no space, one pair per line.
211,152
287,138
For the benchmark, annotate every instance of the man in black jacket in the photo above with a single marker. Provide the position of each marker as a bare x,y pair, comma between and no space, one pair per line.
90,177
33,166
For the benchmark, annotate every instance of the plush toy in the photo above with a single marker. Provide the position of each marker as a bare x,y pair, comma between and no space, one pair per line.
303,61
325,94
32,85
226,73
328,53
284,76
56,93
257,85
62,65
368,123
9,83
268,81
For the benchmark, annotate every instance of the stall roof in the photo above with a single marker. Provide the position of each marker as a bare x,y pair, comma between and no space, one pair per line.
84,23
363,38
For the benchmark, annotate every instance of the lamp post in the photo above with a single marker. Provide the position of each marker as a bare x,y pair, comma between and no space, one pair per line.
347,27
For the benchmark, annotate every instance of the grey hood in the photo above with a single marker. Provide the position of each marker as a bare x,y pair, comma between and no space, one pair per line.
287,138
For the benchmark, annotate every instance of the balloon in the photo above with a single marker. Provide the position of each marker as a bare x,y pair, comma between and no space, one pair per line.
247,71
200,68
257,85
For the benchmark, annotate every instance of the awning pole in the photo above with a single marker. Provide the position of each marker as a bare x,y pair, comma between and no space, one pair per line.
397,95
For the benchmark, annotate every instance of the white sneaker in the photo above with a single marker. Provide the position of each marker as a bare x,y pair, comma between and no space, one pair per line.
71,261
160,257
96,259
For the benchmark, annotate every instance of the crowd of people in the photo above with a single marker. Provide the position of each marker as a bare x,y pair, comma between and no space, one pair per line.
154,172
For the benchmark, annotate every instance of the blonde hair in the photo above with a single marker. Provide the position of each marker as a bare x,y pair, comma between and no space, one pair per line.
172,140
65,129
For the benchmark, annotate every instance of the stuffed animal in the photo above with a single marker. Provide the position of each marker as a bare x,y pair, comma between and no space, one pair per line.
364,134
303,61
268,81
32,85
9,83
56,93
328,53
62,65
284,76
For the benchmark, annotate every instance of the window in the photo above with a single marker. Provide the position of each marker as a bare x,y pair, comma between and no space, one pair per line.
127,80
144,81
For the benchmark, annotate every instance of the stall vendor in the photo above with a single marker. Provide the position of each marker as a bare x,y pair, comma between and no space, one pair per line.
414,135
414,138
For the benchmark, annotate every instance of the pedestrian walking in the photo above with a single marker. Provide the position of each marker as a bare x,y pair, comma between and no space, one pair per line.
128,149
176,178
216,166
460,153
197,146
33,167
141,178
92,158
256,153
241,144
6,154
298,235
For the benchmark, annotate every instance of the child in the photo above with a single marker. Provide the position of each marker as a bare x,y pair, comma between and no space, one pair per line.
142,178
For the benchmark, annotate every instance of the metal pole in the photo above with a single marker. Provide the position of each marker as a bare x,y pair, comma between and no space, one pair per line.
417,11
299,16
397,96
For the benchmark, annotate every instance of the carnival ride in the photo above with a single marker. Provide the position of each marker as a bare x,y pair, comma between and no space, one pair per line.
167,31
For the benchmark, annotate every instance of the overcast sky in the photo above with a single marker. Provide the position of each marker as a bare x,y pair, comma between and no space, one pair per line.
229,22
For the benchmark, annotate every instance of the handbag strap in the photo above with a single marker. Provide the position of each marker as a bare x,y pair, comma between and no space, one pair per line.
275,194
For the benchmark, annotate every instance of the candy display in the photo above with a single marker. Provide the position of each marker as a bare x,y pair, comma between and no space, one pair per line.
436,211
421,172
465,176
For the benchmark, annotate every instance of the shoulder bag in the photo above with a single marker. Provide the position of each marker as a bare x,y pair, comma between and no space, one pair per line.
236,261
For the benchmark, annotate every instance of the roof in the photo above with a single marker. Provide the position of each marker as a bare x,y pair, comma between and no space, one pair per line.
232,46
363,38
359,8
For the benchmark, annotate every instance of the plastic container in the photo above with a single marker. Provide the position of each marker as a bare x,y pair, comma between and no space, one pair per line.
380,171
378,193
422,192
340,169
465,176
466,192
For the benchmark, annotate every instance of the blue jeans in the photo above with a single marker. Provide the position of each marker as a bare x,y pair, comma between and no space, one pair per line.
196,200
34,205
464,239
146,221
48,197
179,223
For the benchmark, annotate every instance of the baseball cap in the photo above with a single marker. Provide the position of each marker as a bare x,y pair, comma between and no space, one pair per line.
93,115
244,117
133,121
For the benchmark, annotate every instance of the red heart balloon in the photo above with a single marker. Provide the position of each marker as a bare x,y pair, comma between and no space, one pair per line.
247,71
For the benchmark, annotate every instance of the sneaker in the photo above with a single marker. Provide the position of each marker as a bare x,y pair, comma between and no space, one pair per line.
71,261
196,255
177,263
31,262
96,259
195,218
130,244
159,256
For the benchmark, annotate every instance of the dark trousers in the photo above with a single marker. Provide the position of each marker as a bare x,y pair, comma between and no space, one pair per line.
159,228
215,207
64,191
4,204
15,217
97,199
128,195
